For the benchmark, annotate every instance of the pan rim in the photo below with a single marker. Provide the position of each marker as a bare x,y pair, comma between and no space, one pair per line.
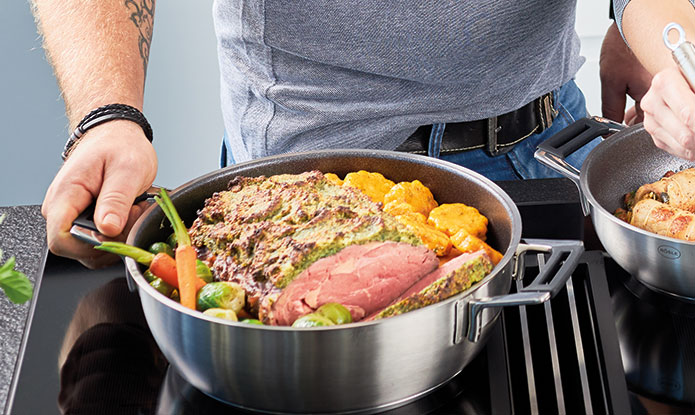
463,172
613,140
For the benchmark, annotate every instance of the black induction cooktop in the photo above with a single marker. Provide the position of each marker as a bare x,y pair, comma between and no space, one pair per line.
560,357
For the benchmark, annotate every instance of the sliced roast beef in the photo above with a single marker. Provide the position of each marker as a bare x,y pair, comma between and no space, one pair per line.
451,278
363,278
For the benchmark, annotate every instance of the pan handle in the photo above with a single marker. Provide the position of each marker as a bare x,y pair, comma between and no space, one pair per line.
84,229
564,257
553,151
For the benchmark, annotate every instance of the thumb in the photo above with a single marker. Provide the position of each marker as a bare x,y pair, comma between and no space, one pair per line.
115,199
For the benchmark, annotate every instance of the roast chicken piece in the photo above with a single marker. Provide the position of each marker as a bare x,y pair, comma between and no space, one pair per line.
677,190
663,219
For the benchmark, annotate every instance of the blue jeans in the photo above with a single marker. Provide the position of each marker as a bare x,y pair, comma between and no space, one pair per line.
519,162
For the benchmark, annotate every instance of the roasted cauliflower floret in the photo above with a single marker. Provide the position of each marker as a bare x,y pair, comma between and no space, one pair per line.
413,193
465,242
333,178
452,217
396,208
435,240
374,185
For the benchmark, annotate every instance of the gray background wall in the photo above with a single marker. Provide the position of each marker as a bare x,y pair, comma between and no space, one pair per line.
181,98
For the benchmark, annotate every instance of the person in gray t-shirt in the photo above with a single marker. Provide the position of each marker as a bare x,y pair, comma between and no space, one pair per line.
325,74
478,83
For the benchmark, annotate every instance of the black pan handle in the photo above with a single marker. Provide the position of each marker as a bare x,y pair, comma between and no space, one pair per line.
553,151
84,228
578,134
86,218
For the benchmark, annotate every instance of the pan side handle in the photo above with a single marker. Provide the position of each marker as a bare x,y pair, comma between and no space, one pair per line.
564,258
553,151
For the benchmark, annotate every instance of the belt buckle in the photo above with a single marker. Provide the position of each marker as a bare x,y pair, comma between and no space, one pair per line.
492,129
546,110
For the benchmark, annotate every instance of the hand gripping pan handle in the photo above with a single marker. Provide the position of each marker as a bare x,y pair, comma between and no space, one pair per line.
84,228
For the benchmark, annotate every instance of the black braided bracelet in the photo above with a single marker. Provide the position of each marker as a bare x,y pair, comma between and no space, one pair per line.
103,114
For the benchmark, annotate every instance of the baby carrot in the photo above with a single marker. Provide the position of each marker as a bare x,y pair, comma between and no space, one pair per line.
164,267
187,278
161,265
185,253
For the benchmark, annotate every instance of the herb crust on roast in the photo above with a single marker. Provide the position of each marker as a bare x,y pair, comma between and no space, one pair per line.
264,231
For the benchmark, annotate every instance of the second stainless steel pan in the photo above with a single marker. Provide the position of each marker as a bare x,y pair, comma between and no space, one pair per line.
619,165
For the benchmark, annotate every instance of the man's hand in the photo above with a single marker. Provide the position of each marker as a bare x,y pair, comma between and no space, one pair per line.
112,163
621,75
669,113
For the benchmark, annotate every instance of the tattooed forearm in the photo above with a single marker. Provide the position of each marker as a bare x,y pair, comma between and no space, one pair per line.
143,17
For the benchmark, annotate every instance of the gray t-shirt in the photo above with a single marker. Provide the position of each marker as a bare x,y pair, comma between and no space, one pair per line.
316,74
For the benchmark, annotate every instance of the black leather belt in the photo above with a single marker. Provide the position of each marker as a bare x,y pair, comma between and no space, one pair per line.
496,135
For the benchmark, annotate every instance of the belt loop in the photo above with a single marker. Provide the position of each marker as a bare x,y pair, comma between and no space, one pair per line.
492,130
435,143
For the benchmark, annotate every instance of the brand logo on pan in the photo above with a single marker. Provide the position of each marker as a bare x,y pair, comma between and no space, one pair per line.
669,252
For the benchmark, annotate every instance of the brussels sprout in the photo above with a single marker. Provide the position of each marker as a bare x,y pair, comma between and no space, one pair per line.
161,248
224,294
203,271
335,312
221,313
149,276
312,320
162,286
252,321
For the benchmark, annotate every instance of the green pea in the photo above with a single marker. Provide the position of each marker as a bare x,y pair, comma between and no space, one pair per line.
312,320
335,312
171,241
149,276
161,247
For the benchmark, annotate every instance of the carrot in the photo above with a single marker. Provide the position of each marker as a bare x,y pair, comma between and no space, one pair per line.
185,267
180,231
185,253
164,267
